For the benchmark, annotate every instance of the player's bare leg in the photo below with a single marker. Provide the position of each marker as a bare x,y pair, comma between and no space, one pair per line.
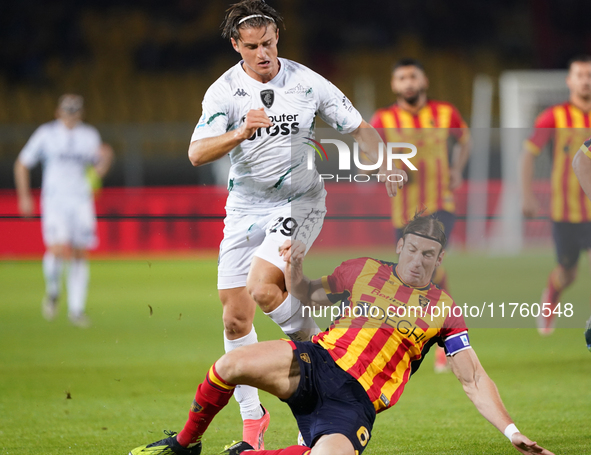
559,279
238,316
238,312
53,264
270,366
77,285
333,444
266,285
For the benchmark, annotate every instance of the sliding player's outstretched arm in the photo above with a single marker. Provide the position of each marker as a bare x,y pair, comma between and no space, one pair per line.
483,392
299,285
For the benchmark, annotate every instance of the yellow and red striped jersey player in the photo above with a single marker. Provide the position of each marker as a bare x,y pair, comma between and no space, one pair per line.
337,383
387,326
428,129
582,167
428,124
567,125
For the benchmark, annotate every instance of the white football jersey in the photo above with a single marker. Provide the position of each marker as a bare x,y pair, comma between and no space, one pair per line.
270,168
65,154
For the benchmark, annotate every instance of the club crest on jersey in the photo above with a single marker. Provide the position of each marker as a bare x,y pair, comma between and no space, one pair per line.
424,301
267,97
305,357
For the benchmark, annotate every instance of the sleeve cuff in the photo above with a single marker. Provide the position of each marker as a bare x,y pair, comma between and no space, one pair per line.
532,148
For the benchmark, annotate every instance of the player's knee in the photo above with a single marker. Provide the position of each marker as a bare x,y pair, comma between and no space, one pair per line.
236,326
59,251
267,296
232,366
78,253
225,367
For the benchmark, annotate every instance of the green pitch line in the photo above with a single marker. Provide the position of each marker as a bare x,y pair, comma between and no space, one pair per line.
118,384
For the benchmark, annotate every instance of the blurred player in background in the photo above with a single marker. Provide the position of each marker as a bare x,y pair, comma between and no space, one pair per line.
582,168
66,147
568,125
428,124
336,383
259,113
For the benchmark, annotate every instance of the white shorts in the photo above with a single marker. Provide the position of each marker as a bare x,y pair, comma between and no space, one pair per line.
69,221
248,234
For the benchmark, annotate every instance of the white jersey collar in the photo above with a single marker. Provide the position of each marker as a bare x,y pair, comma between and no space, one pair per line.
272,82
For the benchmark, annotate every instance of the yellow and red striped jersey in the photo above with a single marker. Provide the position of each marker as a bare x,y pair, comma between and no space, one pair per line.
586,147
429,131
386,326
569,127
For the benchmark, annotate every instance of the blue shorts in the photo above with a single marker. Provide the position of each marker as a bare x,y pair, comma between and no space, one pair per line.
570,239
448,220
329,400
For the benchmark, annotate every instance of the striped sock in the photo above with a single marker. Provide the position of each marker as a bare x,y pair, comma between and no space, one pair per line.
212,395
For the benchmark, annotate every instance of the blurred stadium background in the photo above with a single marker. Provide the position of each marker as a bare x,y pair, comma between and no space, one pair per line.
143,68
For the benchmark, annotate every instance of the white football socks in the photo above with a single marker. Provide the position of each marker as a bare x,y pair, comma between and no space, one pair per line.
52,271
290,318
246,396
78,276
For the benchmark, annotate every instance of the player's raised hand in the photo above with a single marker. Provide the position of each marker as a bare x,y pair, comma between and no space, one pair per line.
26,205
455,179
293,252
253,120
394,179
529,206
524,445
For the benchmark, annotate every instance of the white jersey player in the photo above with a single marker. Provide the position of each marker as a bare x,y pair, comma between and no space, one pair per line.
66,147
260,112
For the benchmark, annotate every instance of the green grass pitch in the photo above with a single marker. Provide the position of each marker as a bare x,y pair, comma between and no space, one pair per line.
118,384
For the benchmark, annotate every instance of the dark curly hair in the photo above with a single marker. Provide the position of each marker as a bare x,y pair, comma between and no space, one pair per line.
263,16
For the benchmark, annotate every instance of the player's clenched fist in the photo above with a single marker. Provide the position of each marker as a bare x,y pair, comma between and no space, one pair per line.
253,120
